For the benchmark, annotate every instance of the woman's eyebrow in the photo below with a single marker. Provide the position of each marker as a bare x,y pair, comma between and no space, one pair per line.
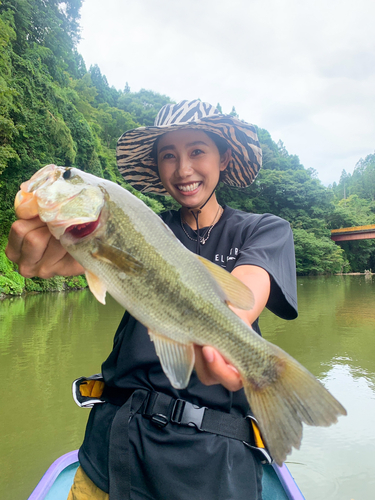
171,146
195,143
164,148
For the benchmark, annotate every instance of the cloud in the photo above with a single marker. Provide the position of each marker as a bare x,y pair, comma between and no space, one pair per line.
303,70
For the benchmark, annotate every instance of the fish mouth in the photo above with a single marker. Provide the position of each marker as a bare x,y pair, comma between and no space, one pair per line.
79,231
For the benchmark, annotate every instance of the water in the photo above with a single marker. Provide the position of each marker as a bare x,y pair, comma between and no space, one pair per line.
46,341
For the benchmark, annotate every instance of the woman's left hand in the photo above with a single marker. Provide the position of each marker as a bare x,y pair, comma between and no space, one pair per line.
213,369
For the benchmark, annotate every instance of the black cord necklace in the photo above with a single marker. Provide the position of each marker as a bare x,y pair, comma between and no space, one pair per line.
206,235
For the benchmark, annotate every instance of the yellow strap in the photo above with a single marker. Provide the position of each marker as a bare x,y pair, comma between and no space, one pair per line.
91,388
257,436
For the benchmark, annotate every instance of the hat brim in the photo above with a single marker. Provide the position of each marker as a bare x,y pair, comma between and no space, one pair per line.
139,169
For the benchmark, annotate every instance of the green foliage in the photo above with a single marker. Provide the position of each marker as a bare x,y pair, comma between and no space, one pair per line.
355,211
143,105
317,255
361,183
113,123
234,112
76,282
11,282
55,284
9,286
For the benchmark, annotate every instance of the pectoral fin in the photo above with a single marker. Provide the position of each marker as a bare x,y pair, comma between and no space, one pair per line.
119,258
236,293
177,360
96,286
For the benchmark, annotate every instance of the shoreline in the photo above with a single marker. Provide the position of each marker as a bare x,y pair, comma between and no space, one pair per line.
366,273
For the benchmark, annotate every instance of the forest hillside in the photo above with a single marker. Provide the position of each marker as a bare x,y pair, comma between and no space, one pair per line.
55,110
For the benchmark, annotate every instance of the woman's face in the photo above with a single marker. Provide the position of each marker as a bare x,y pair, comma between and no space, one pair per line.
189,166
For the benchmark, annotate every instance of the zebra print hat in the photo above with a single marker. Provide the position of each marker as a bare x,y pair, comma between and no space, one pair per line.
134,148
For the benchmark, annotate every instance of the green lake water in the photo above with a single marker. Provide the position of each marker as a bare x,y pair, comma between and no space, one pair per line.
48,340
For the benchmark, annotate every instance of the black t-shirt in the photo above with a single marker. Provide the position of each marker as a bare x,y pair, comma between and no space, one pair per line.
237,239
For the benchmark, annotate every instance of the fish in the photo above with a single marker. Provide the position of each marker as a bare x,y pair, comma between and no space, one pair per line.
182,298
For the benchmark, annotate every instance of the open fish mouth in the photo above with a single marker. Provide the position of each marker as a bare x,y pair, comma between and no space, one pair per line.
65,202
79,231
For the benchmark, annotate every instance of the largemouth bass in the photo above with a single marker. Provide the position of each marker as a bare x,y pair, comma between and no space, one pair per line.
180,297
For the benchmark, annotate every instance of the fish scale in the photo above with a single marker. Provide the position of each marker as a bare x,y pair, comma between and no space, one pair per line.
181,298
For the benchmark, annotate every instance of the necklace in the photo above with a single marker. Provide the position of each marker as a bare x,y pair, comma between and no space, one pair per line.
206,235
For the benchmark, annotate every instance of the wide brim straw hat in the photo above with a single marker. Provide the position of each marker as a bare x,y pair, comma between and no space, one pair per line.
134,148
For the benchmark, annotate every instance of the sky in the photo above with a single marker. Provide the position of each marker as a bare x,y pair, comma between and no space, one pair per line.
302,69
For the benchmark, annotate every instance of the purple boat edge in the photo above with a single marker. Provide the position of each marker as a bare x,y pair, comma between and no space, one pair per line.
70,458
51,474
289,485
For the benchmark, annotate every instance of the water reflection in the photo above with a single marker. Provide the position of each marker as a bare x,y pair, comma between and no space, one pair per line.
336,462
334,338
48,340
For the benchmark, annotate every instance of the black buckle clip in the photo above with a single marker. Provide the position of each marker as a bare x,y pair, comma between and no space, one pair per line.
159,419
187,414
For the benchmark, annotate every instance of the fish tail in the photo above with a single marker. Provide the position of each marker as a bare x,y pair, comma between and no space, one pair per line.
290,397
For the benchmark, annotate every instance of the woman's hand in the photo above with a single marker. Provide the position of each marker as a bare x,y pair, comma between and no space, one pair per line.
213,369
37,252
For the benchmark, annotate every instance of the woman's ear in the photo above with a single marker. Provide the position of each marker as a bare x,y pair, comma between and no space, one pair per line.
225,159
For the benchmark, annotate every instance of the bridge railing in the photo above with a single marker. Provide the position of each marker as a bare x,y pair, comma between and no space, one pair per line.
353,233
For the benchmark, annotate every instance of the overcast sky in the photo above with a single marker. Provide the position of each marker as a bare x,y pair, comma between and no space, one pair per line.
303,70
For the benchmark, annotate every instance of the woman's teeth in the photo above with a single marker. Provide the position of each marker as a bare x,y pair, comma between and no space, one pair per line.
188,187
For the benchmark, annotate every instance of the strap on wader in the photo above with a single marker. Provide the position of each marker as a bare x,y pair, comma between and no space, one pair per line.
162,410
87,391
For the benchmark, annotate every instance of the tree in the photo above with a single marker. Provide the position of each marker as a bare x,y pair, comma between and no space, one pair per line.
317,255
234,113
143,105
106,94
114,122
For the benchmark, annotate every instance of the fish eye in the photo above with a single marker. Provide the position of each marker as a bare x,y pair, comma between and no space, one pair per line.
67,174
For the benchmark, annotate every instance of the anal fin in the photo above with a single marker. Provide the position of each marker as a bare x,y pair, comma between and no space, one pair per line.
177,360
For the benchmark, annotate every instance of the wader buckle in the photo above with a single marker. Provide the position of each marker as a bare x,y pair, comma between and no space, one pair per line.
159,420
187,414
161,409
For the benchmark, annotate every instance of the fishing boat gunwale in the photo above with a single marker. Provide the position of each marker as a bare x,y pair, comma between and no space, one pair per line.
62,463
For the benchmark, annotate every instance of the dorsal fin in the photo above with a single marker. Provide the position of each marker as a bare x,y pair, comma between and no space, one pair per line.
237,294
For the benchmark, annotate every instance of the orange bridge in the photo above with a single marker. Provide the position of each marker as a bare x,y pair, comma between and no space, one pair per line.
354,233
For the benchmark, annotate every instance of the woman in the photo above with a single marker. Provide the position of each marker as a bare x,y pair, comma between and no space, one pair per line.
135,447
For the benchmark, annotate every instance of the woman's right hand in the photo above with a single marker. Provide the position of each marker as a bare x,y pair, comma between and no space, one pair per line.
37,252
